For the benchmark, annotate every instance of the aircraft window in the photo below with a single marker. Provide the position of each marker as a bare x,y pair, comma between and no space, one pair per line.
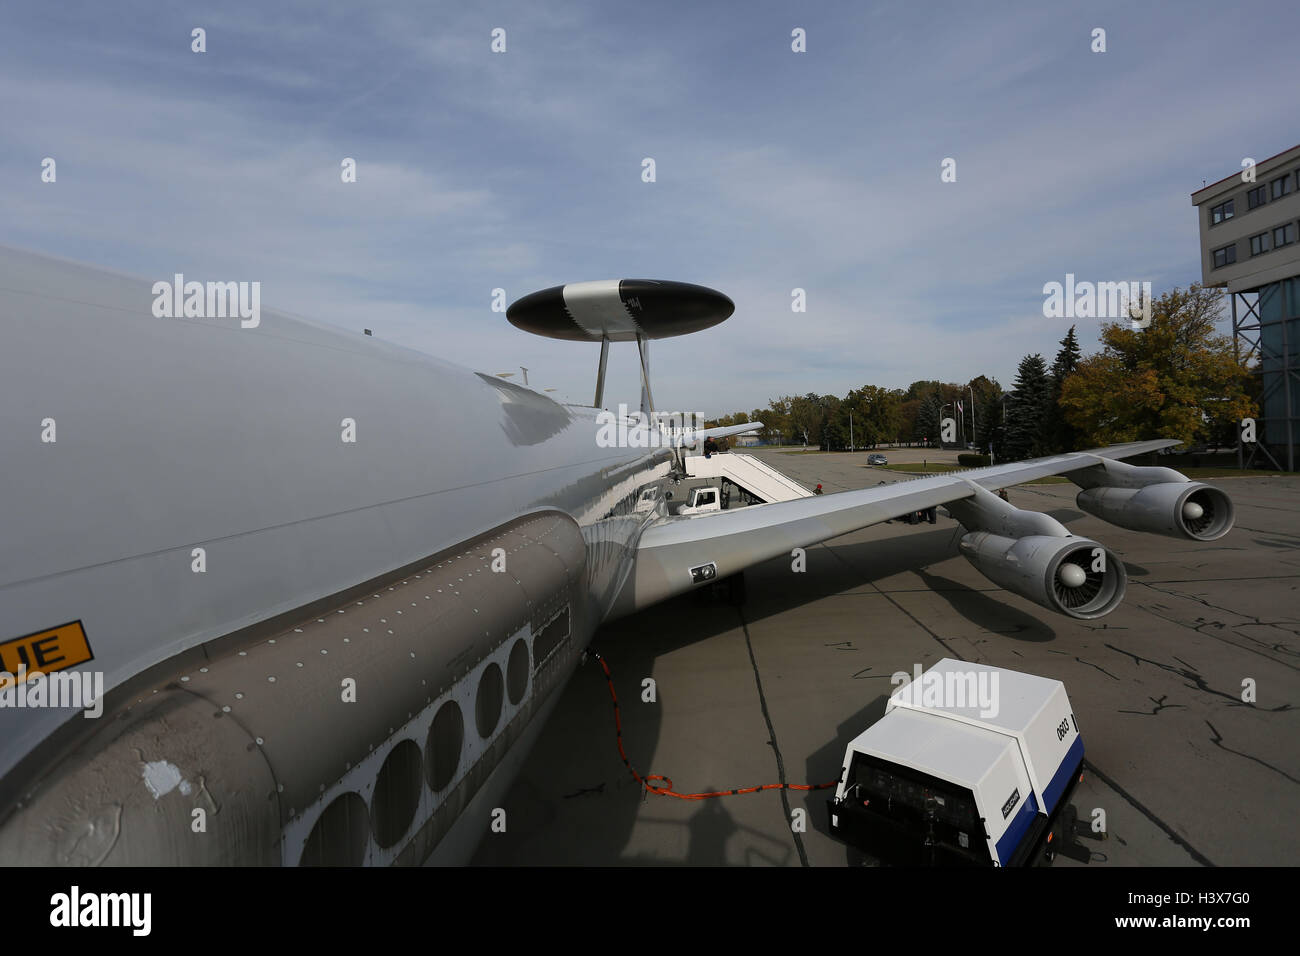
517,671
340,835
487,703
397,793
442,748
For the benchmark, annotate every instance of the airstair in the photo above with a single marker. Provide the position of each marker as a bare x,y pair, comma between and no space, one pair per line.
760,480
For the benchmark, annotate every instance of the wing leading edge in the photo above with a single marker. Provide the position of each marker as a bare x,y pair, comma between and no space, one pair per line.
735,540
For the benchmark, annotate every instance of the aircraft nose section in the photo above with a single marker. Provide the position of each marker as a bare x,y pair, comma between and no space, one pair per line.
171,781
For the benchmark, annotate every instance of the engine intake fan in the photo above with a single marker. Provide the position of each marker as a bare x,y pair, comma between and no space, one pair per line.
1182,509
1033,555
1072,576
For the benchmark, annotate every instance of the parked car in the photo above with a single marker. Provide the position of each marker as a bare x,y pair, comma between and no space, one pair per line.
877,460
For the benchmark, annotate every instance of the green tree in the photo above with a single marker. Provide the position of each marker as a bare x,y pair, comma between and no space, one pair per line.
989,435
1062,435
807,418
1027,410
973,395
919,391
882,414
1176,378
834,436
877,415
927,419
777,421
908,409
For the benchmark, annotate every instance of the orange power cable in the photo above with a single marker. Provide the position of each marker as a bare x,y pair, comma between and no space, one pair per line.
667,789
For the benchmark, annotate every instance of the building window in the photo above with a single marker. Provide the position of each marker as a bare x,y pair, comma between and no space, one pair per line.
1281,187
1256,197
1225,256
1259,244
1284,235
1220,213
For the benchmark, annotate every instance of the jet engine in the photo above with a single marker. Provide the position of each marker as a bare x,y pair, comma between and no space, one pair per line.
1033,555
1072,576
1155,499
1180,509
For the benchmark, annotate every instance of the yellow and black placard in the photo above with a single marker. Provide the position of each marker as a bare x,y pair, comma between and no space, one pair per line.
50,650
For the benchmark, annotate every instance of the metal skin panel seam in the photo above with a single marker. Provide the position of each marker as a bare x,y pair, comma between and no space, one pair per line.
284,691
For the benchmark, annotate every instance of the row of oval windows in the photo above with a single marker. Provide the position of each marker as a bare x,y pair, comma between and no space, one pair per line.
340,834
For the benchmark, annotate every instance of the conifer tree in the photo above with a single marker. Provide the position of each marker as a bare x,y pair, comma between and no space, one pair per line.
927,419
989,432
1062,435
1027,410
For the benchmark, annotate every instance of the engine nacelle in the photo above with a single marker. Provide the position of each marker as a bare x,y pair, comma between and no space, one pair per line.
1072,576
1180,509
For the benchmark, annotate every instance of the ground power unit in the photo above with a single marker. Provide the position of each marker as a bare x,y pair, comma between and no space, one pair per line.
970,764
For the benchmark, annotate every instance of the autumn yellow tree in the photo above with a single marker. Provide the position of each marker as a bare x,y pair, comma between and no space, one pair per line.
1176,378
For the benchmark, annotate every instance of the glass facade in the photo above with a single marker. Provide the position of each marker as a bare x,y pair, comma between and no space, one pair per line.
1279,335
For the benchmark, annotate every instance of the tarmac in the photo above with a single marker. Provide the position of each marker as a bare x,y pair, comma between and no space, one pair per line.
1179,771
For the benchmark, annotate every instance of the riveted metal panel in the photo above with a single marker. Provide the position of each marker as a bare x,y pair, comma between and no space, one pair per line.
268,732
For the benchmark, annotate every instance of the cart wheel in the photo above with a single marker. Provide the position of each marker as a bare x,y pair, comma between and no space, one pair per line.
1062,829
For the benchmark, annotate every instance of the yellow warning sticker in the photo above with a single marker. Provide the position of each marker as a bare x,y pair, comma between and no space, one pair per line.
45,651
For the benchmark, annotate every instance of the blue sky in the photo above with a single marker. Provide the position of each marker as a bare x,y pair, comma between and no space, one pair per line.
522,170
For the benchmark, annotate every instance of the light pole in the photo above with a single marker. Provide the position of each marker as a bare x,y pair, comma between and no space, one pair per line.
1004,427
973,439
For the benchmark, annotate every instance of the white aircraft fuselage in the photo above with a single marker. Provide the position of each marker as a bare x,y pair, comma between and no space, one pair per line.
334,585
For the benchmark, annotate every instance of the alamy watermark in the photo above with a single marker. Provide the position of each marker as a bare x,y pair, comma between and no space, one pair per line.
634,429
1098,300
949,689
212,300
132,911
81,690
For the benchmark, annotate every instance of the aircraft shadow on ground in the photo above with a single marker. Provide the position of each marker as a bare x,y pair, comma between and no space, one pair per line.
774,590
987,612
633,645
575,802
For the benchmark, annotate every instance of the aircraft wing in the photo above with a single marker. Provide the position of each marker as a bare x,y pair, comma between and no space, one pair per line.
735,540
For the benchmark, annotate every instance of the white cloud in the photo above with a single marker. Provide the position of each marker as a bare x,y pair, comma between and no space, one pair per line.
522,170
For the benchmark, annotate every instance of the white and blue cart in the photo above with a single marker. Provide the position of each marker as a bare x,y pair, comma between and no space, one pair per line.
971,764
